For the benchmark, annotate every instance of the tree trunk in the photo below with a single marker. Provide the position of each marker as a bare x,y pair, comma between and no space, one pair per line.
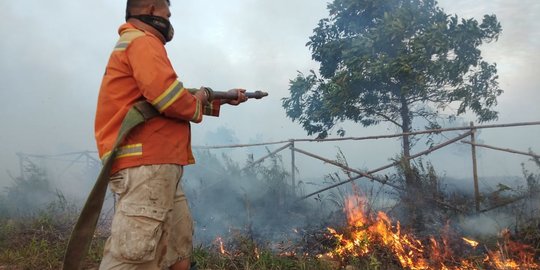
406,128
413,197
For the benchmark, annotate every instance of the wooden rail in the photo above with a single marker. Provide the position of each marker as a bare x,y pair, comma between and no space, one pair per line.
291,144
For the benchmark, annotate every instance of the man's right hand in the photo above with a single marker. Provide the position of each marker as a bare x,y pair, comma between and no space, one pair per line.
202,95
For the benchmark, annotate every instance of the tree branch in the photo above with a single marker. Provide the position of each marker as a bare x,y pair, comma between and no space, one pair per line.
388,119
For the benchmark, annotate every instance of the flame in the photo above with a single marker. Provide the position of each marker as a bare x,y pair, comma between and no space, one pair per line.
257,253
287,254
470,242
368,231
219,241
502,258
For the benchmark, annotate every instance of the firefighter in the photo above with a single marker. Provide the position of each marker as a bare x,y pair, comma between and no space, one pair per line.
152,226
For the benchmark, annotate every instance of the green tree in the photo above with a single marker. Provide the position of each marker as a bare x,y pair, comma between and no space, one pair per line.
394,61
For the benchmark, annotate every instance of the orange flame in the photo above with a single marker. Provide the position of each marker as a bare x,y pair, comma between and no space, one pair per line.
257,253
502,258
470,242
219,241
365,231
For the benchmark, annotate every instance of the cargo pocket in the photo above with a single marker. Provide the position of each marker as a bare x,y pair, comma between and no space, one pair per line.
136,232
117,182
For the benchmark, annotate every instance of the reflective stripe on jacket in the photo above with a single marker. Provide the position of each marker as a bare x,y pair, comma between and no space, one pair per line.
139,69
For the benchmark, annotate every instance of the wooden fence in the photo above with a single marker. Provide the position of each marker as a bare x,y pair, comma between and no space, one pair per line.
469,131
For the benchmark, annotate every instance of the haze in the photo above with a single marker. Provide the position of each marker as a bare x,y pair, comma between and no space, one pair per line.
53,54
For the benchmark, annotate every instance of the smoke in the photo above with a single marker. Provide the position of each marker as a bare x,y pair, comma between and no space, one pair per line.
485,226
52,59
51,69
258,201
516,216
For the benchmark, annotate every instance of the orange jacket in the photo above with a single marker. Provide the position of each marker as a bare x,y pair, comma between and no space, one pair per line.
139,69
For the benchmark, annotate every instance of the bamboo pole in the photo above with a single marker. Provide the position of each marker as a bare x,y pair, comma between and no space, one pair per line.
513,200
337,164
267,156
384,182
239,145
502,149
421,132
58,155
79,157
520,124
293,167
475,169
367,175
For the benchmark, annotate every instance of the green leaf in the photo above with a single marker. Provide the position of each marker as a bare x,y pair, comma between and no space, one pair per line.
385,61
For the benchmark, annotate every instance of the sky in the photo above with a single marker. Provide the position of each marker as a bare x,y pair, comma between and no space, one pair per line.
53,54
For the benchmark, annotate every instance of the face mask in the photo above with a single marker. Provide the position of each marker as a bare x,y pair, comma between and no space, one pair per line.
159,23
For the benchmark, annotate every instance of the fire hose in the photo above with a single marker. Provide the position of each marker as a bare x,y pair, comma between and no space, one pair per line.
83,231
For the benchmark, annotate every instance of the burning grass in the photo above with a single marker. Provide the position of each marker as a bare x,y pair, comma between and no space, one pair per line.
368,235
370,242
367,241
244,253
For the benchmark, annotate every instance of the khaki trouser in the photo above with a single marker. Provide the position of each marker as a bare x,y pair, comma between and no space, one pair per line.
152,226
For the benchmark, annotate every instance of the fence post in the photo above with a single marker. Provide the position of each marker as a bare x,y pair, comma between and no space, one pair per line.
293,168
475,169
